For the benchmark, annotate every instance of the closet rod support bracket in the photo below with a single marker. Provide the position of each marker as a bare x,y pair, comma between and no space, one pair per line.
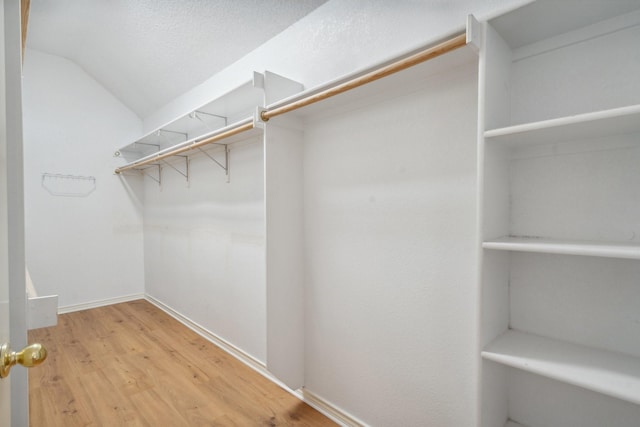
260,115
474,33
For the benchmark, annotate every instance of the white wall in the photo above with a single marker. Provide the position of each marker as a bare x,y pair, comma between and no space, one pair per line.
204,244
390,211
82,248
338,38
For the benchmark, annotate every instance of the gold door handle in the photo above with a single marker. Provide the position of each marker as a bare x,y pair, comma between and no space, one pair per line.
31,355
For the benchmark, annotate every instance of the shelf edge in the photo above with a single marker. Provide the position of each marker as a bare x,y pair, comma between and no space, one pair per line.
234,128
564,121
566,247
621,371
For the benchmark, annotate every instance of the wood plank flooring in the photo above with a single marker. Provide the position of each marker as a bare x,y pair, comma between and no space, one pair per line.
131,364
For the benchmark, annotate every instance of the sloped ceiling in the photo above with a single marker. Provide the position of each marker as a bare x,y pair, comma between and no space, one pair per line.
147,52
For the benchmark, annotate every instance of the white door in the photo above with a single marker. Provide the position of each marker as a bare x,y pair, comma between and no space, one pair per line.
14,394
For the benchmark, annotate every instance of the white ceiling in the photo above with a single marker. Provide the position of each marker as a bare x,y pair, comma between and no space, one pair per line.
147,52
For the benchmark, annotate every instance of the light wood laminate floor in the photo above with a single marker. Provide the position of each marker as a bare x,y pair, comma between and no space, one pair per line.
131,364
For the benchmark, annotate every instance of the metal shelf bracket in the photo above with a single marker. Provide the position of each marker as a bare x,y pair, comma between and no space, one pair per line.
196,115
186,166
159,178
225,165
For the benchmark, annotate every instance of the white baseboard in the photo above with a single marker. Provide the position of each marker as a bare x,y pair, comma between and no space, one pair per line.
42,312
316,402
246,358
331,411
101,303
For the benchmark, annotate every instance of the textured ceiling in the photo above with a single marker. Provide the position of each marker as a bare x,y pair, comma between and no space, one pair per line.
147,52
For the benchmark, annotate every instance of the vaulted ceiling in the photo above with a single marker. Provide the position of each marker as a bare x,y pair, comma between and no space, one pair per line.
147,52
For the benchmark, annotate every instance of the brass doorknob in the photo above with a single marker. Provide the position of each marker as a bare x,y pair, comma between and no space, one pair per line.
31,355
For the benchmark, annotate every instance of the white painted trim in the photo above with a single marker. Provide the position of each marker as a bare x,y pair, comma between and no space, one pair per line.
100,303
330,411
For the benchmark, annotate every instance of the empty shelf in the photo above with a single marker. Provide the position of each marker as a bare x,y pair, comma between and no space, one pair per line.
609,373
565,247
617,121
235,132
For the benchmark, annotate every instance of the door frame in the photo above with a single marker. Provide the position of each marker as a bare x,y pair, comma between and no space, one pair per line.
15,205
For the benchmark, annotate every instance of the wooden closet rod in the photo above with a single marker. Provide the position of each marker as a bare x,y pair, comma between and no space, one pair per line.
182,148
415,59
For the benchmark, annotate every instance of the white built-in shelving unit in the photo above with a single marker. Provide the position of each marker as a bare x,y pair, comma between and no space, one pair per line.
560,216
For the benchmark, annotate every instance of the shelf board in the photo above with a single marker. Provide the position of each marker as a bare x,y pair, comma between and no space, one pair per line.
617,121
605,372
513,424
541,20
239,101
228,140
565,247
